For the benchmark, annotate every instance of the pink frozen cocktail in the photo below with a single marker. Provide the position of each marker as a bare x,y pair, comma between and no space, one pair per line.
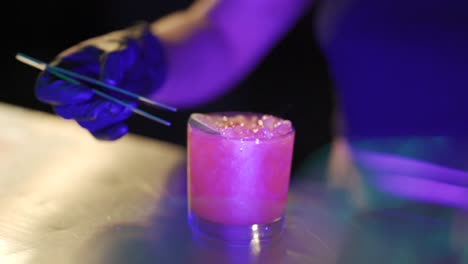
239,168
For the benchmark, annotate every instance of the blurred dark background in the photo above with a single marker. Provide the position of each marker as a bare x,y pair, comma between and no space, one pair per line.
292,81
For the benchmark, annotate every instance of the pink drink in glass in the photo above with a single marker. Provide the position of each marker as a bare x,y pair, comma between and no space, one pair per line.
238,171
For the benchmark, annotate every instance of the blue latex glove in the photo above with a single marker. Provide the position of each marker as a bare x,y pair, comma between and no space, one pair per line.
135,64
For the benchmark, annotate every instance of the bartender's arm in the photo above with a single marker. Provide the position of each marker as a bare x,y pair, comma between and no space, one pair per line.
184,59
214,44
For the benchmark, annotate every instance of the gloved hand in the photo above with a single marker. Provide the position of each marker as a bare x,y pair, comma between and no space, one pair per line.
131,59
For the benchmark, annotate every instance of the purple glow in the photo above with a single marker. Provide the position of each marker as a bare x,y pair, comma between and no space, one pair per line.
400,165
424,190
418,180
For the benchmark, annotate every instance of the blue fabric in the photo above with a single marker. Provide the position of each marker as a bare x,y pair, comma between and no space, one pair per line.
400,67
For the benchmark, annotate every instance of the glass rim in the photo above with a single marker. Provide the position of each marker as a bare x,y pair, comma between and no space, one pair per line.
194,123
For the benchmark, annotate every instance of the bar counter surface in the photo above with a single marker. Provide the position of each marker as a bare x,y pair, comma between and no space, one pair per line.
67,198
